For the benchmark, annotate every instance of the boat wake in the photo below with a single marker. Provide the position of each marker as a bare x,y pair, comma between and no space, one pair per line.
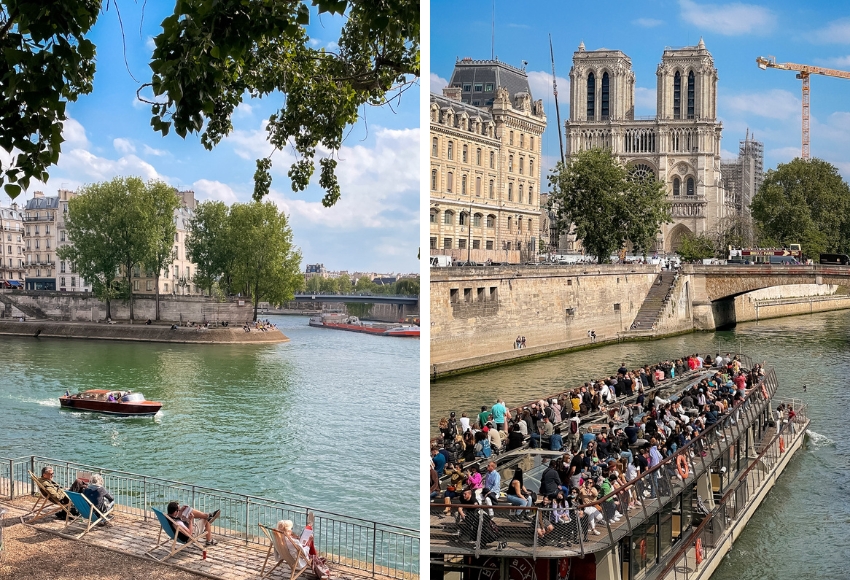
817,440
42,402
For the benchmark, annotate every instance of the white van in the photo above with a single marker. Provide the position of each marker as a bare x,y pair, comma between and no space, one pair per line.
440,261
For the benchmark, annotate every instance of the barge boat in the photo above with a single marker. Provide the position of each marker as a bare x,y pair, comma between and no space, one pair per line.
691,507
123,403
354,324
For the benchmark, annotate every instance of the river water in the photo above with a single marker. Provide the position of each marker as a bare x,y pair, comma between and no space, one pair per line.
802,529
318,421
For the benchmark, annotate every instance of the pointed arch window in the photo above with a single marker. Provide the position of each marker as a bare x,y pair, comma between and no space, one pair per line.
604,103
691,95
591,96
690,186
677,186
677,96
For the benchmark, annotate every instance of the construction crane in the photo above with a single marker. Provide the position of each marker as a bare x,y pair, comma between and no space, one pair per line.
803,72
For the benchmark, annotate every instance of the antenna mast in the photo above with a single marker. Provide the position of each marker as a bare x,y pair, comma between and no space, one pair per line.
555,90
493,33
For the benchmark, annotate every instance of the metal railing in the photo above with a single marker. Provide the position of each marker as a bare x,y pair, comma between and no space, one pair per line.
653,488
710,533
369,546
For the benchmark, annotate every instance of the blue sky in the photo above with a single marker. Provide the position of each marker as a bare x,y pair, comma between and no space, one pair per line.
767,102
375,226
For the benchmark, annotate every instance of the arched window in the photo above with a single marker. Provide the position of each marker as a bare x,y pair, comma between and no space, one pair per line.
463,185
434,147
690,186
530,195
676,186
531,167
522,139
519,198
449,218
476,220
492,160
492,190
464,218
510,163
477,187
604,95
434,216
464,154
450,179
511,138
531,143
521,165
677,96
518,225
510,224
529,224
691,95
591,96
491,221
510,192
478,156
433,180
450,151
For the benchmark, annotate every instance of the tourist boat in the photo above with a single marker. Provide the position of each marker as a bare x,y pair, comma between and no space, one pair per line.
692,506
98,401
404,330
339,321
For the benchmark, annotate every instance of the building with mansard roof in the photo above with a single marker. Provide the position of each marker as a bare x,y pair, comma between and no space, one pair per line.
680,145
485,164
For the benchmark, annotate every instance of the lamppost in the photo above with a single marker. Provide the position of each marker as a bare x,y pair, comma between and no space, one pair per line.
469,230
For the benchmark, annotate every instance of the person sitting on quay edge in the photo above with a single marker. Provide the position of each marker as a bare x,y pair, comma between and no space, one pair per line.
184,517
98,495
55,493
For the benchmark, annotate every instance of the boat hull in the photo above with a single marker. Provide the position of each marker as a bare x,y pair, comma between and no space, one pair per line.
138,409
350,327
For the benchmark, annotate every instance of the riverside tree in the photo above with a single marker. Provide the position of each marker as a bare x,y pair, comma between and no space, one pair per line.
158,204
608,205
209,55
804,202
209,245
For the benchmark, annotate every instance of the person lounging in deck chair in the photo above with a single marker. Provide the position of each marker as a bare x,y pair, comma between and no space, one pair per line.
54,493
185,517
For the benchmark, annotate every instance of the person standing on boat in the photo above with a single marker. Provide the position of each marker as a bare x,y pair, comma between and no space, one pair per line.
499,411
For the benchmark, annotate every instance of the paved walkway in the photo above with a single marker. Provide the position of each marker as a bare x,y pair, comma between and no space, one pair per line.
231,559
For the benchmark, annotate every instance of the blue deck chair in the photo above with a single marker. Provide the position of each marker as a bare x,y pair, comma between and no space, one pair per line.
89,514
169,526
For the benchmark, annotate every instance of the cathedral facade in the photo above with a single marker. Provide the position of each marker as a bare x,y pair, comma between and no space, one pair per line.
680,145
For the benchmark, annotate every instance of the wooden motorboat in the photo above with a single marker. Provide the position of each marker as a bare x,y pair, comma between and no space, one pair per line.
110,402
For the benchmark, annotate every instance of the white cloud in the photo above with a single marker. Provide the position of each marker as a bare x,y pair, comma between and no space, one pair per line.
540,83
151,151
85,166
728,19
74,133
150,44
840,61
648,22
726,155
774,104
380,187
252,143
243,110
123,145
437,83
206,189
836,32
646,101
784,154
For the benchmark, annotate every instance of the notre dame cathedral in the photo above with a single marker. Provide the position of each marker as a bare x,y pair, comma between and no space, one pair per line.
680,145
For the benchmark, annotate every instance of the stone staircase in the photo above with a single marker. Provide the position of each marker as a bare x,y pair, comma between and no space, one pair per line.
654,302
28,311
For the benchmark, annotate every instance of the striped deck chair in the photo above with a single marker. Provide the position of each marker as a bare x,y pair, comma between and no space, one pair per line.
181,539
42,506
286,550
88,512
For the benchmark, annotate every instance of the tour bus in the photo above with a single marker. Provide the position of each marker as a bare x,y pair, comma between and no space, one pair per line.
790,255
835,259
440,261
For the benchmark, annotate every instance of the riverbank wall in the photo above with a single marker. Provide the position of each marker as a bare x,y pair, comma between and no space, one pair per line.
138,332
478,312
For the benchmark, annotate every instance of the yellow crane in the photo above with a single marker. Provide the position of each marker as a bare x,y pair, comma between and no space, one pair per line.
803,72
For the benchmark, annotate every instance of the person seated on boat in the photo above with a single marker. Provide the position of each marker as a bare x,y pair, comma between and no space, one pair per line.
184,517
495,438
110,398
587,494
556,441
439,460
54,491
284,527
482,445
467,497
98,495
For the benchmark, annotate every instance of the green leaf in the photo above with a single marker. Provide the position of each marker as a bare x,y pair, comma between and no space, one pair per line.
12,190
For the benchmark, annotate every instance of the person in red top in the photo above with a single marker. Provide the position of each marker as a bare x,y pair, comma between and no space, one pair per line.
692,363
791,416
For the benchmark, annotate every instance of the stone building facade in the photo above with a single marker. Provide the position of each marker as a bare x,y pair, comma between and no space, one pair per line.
485,150
12,268
680,145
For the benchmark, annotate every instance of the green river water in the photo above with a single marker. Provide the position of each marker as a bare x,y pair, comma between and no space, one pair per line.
802,530
313,421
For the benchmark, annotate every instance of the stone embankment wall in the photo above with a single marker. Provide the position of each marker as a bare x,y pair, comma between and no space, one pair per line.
379,312
477,313
138,332
789,301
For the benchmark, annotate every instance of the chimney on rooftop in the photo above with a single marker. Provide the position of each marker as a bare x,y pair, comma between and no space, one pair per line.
453,93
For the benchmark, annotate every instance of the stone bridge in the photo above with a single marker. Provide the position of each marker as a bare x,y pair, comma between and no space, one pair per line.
715,287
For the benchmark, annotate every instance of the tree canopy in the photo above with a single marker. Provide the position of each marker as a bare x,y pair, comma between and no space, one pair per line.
608,205
804,202
696,247
209,56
